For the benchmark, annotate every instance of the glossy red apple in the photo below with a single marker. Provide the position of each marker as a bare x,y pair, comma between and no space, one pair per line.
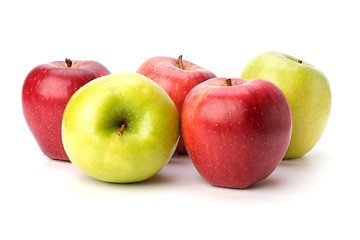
177,77
46,91
236,131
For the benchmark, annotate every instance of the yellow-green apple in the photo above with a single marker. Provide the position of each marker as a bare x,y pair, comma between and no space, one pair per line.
177,77
236,131
307,91
45,93
120,128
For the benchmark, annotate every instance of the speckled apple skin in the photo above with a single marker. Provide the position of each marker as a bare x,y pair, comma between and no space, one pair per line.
236,135
45,93
176,82
307,90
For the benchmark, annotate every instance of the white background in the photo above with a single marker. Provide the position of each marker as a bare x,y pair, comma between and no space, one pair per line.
314,197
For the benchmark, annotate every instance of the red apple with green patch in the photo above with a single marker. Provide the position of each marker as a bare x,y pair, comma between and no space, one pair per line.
236,131
177,77
45,93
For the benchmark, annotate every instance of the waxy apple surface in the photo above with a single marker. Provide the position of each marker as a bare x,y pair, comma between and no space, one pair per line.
46,91
307,90
120,128
236,135
177,77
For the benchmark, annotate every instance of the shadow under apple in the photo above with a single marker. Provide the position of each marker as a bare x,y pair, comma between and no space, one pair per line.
292,174
296,173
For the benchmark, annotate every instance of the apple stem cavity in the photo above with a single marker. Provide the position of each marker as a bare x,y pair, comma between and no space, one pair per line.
121,131
299,61
68,62
228,82
181,66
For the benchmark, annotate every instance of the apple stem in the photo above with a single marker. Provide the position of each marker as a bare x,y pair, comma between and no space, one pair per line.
299,61
228,82
68,62
181,66
121,131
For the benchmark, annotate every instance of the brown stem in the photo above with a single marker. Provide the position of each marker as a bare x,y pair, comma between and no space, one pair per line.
228,82
68,62
181,66
299,61
121,131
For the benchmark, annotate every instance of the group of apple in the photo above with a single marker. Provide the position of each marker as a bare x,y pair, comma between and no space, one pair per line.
125,127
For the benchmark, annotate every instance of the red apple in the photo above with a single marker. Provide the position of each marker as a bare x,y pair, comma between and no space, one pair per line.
177,77
46,91
236,131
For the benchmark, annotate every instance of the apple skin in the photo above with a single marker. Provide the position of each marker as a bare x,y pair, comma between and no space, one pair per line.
177,82
93,119
236,135
45,93
307,90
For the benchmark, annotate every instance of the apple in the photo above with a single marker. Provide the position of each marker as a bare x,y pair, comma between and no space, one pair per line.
307,90
120,128
45,93
177,77
236,131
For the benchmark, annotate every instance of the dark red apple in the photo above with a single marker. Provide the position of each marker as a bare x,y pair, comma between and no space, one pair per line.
236,131
46,91
177,77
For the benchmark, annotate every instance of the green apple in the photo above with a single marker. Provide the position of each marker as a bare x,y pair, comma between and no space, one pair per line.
307,91
120,128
